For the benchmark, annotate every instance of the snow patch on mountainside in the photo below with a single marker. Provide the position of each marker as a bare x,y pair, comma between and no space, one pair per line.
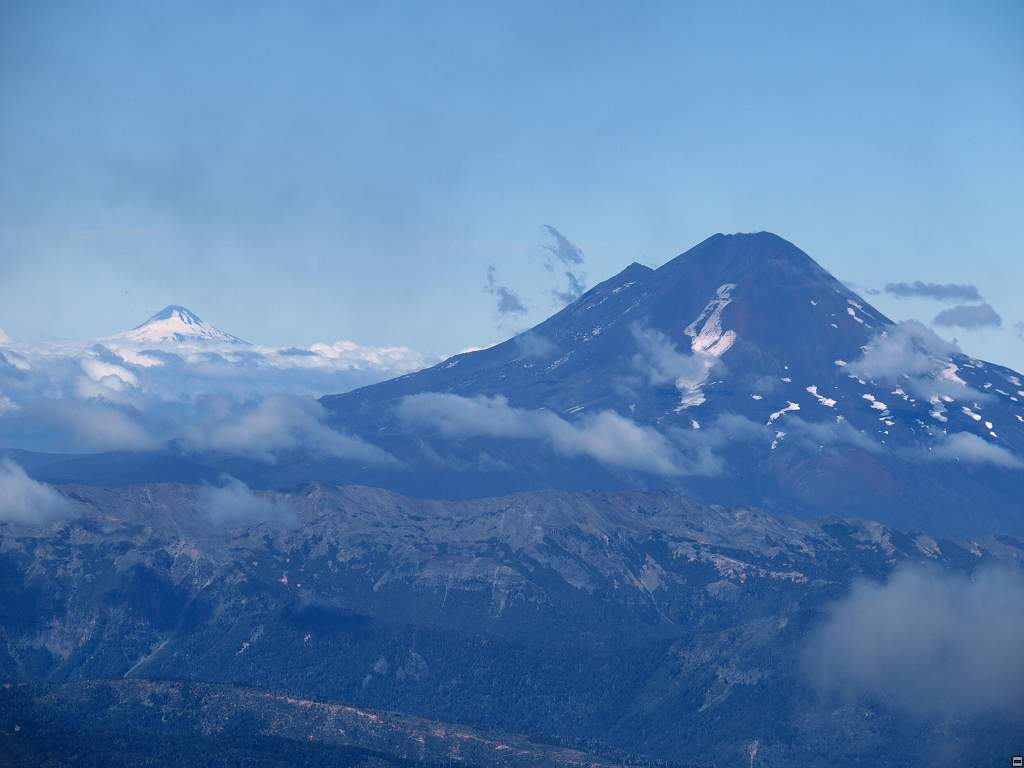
709,341
706,330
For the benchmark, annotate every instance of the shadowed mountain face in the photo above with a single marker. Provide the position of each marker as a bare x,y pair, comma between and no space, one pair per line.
741,371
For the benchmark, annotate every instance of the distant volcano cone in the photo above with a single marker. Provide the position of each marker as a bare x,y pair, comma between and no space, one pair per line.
177,324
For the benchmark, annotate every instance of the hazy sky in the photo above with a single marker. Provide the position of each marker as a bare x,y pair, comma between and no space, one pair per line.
303,171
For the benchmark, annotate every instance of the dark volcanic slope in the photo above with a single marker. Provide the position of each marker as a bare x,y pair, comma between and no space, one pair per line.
758,287
645,622
809,400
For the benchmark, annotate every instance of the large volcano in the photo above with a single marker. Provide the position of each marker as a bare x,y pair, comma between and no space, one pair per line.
742,371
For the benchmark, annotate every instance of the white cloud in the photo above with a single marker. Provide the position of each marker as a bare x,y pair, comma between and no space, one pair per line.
908,348
912,355
100,371
660,362
23,500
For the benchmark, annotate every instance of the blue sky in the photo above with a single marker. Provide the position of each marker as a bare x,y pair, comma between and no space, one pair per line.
297,172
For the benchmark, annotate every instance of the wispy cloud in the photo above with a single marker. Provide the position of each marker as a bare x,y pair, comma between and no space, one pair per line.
813,435
507,301
701,449
937,291
23,500
565,256
972,449
969,316
927,642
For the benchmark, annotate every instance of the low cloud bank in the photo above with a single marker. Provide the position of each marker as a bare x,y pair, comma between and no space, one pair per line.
23,500
234,504
927,642
93,425
275,425
605,436
105,398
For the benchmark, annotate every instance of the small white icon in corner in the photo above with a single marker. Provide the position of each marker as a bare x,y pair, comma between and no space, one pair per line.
1018,762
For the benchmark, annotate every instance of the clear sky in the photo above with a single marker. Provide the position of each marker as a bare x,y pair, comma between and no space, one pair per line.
301,171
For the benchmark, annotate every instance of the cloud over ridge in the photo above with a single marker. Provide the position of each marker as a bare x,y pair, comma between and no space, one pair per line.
24,500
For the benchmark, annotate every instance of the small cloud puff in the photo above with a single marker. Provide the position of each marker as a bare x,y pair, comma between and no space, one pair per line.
24,500
532,345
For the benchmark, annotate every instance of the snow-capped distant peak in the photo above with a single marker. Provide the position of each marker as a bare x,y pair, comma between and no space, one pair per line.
176,324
